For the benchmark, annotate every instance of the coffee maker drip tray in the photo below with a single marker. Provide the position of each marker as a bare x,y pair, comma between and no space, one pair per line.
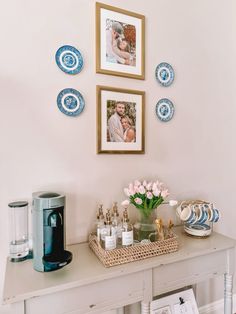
53,262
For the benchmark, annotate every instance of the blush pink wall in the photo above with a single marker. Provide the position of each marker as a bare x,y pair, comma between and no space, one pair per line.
42,149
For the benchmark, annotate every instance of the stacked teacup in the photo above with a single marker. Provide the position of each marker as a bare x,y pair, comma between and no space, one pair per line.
198,217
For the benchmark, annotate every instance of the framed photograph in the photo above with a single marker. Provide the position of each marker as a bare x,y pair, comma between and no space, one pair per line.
177,303
120,121
119,42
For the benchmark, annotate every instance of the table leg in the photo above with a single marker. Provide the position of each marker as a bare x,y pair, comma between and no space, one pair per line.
145,307
120,310
228,295
17,308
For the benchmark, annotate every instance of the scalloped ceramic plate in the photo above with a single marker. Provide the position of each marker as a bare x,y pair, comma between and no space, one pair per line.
165,109
70,102
165,74
69,59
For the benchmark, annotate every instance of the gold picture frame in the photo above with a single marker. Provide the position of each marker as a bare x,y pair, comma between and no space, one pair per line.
120,121
120,42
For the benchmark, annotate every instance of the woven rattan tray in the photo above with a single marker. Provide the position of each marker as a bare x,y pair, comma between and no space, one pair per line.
132,253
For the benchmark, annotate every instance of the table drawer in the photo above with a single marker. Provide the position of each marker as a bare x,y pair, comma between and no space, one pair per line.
190,271
92,298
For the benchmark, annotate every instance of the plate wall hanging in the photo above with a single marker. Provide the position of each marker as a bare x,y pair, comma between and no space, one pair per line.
70,102
165,109
165,74
69,59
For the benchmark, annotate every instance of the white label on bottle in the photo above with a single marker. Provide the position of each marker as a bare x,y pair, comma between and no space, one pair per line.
110,242
104,232
127,237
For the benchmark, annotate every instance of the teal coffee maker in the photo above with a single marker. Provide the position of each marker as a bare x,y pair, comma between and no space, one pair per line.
49,232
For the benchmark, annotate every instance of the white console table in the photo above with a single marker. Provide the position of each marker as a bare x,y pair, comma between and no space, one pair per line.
86,286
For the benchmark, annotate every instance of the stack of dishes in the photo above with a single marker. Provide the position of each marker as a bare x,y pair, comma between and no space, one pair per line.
198,217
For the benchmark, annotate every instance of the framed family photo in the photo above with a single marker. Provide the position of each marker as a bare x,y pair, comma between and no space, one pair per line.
119,42
120,121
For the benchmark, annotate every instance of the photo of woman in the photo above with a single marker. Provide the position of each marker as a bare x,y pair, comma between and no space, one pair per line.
129,130
120,43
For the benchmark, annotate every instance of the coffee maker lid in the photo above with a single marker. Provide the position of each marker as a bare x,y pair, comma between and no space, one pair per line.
48,195
47,199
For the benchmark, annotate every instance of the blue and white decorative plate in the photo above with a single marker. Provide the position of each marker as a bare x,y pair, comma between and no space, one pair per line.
69,59
70,102
165,109
198,230
165,74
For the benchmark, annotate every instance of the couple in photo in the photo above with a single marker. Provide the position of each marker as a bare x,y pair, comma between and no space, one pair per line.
117,47
120,126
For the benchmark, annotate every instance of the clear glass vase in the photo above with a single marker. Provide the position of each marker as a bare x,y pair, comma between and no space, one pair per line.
145,227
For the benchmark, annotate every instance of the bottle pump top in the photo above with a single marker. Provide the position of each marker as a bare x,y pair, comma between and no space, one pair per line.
108,217
115,210
100,212
125,216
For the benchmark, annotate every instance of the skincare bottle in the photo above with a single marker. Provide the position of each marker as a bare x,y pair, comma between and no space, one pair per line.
108,236
127,236
116,223
99,222
115,214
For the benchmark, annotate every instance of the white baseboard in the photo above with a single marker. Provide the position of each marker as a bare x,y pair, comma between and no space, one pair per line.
216,307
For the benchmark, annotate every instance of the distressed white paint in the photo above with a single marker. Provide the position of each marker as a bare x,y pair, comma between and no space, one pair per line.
89,287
